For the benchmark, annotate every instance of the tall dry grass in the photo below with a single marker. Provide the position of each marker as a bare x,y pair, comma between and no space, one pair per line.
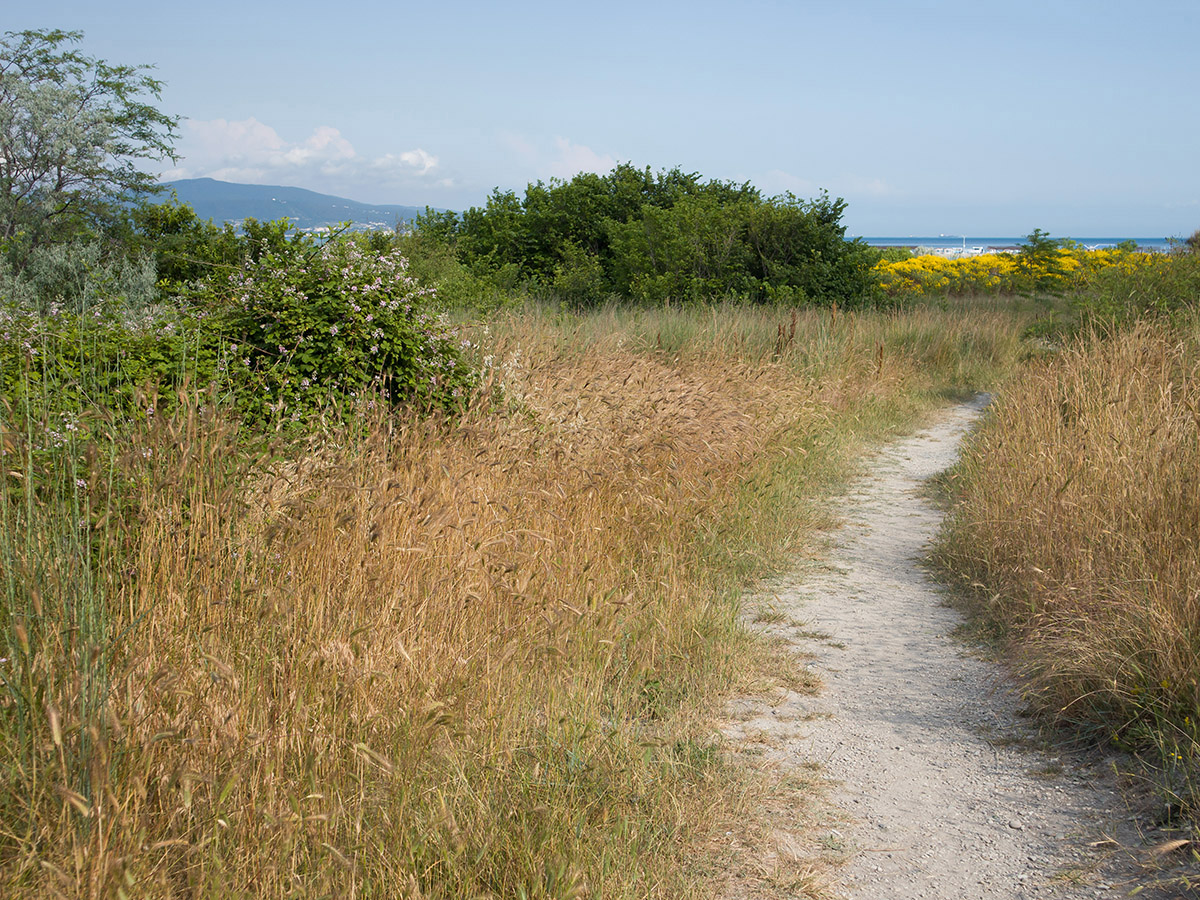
1079,524
430,659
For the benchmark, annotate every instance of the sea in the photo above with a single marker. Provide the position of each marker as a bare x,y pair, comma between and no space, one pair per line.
947,242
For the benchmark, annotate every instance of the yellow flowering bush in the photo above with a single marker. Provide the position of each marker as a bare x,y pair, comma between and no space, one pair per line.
1068,268
931,274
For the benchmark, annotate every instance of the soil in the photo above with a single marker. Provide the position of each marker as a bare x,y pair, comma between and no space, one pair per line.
937,787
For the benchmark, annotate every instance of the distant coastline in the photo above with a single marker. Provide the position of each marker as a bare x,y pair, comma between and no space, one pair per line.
949,242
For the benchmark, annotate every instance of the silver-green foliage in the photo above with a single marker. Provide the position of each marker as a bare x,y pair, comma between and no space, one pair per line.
73,130
78,276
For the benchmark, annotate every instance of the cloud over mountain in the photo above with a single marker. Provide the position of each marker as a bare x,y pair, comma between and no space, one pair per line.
253,152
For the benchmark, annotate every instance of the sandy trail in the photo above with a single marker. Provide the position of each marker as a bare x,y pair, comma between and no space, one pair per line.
944,796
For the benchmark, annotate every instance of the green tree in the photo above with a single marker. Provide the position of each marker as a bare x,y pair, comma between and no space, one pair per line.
692,250
1039,263
437,225
185,249
73,131
579,278
490,238
798,249
724,239
664,237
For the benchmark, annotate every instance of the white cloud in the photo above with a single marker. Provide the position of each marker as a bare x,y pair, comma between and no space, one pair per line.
252,152
419,160
249,138
571,159
324,146
560,158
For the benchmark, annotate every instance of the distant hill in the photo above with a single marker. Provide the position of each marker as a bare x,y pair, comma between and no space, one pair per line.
224,201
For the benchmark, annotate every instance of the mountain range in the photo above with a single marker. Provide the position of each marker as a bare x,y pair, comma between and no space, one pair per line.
224,201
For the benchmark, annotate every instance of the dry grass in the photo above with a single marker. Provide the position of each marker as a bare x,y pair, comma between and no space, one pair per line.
1079,524
420,659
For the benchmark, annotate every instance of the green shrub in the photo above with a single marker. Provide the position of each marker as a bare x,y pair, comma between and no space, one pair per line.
78,275
892,254
801,244
781,250
305,324
665,238
1040,265
432,262
1156,285
579,278
64,363
187,249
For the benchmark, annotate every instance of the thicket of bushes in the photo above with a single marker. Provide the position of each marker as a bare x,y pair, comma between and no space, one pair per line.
669,237
280,323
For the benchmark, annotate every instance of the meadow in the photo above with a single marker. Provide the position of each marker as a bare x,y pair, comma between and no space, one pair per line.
1075,529
421,655
1075,533
411,564
1077,538
313,587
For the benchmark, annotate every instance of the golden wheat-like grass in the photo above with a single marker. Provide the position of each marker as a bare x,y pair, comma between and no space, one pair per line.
437,659
1081,516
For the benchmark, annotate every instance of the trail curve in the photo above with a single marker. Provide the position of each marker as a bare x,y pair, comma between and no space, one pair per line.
943,790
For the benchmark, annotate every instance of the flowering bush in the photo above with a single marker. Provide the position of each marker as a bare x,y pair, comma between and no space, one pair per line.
304,324
1135,286
1061,269
925,275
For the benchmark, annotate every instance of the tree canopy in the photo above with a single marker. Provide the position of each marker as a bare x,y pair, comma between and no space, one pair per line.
73,130
656,238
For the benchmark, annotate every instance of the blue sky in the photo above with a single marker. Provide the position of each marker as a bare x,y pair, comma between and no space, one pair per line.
929,118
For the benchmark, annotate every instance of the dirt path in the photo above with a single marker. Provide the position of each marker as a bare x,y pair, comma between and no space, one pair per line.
943,790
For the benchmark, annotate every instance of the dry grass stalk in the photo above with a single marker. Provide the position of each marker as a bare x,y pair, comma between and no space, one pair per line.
431,659
1081,515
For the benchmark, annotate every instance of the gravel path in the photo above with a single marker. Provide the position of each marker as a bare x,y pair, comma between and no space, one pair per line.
944,792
